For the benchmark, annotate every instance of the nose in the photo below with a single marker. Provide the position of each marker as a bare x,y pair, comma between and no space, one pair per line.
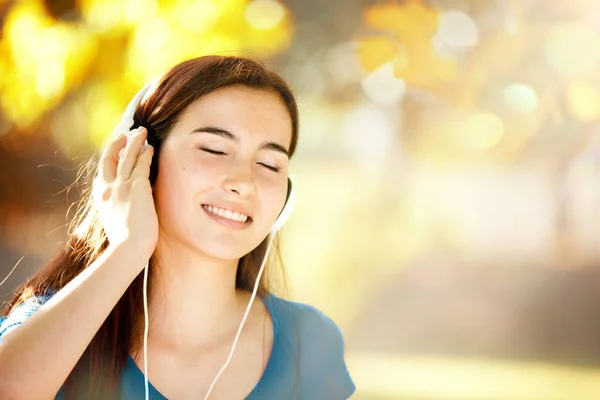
240,182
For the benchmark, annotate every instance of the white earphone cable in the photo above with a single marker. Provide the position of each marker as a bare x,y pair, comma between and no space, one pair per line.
146,332
237,335
248,307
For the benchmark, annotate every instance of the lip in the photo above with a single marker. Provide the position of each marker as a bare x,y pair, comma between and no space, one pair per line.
228,222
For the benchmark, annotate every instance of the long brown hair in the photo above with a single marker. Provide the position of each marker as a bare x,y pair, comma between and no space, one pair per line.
96,373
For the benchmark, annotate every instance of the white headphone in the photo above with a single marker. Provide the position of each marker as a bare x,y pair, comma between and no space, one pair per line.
124,126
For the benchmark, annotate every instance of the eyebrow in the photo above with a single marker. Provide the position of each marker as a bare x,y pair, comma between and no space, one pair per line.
230,136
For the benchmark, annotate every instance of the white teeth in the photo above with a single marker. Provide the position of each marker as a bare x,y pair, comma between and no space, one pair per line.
234,216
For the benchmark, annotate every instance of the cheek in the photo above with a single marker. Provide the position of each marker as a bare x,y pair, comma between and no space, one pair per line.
165,195
276,200
174,189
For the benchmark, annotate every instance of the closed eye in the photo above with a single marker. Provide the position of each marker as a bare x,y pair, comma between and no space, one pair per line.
270,167
219,153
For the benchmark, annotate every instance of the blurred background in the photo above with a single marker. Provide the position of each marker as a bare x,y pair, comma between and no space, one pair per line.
448,169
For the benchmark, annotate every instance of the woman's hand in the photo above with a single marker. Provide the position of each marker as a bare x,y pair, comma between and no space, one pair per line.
123,195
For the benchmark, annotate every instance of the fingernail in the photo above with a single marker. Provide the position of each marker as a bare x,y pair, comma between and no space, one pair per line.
140,130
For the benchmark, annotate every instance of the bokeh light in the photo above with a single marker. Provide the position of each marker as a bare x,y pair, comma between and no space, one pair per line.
457,29
197,16
370,136
572,50
520,98
50,79
264,14
383,87
483,131
102,17
583,101
151,35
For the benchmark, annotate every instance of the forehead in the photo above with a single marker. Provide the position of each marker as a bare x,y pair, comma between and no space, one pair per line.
243,111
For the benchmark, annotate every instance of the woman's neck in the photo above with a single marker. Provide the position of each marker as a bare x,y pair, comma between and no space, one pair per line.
193,301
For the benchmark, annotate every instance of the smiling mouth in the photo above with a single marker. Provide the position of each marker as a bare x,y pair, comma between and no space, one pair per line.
227,214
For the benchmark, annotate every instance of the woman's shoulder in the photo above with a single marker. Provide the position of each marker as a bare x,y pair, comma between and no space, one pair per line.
314,344
305,317
307,327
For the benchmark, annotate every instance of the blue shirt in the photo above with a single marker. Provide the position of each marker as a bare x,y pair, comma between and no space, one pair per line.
306,362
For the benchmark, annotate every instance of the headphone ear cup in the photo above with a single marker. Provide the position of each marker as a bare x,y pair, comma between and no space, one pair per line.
285,213
289,192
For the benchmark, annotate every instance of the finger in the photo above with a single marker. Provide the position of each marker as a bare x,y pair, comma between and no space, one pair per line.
130,155
107,166
142,166
101,191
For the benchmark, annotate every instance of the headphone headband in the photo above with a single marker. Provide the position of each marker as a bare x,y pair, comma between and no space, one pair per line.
127,119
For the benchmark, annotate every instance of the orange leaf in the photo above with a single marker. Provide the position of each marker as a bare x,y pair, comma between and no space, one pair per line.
413,17
376,51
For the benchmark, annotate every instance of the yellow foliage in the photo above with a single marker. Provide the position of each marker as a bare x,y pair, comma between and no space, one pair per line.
122,43
411,26
376,51
409,19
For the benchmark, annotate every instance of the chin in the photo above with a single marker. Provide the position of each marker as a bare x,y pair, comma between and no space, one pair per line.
221,250
218,243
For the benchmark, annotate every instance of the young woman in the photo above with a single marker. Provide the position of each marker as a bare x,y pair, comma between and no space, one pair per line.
197,206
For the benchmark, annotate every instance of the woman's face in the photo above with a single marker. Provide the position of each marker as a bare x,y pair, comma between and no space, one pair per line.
225,160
